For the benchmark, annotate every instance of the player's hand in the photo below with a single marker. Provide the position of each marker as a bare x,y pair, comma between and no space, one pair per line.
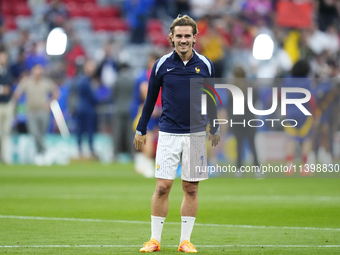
214,139
139,141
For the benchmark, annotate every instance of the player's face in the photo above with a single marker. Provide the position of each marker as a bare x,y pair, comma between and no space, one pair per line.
183,39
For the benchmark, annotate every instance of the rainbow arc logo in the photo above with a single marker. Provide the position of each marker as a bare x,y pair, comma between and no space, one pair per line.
209,93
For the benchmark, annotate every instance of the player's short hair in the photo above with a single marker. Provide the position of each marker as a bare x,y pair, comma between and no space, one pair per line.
182,21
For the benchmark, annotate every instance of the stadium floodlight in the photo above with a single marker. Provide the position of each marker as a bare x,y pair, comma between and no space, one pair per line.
56,42
59,119
263,47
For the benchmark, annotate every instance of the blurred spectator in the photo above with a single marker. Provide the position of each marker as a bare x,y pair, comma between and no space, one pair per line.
144,161
328,13
301,130
122,96
55,14
212,45
138,12
6,106
201,8
23,41
39,90
85,112
18,69
317,41
257,7
332,40
107,70
242,131
75,52
322,140
182,7
36,55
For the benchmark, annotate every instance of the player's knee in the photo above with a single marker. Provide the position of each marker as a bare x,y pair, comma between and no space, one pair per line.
162,190
191,193
190,190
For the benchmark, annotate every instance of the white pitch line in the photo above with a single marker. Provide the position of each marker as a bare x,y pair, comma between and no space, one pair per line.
170,223
202,246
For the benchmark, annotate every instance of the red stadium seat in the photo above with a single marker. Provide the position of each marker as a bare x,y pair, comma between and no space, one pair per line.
6,9
10,23
118,25
76,10
88,9
159,39
68,1
154,25
95,13
71,5
21,9
110,12
100,24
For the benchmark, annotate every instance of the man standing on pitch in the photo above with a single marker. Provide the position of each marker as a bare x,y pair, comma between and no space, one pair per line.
179,142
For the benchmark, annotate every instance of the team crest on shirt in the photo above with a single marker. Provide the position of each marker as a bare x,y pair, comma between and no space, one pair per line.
157,167
197,69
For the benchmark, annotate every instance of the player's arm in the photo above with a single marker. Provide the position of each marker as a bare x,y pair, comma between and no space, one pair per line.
214,133
149,105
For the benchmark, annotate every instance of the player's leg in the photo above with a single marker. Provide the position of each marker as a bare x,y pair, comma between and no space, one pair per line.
159,210
194,154
188,215
167,160
190,201
160,202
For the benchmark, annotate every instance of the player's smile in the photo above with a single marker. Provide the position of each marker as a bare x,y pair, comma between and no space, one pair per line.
184,40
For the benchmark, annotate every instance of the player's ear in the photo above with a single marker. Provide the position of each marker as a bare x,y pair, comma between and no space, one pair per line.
195,38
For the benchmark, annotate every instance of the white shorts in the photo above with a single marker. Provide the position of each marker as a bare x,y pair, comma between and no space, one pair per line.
189,150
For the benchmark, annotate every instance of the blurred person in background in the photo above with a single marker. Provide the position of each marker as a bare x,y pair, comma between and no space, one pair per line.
301,131
144,161
182,7
243,132
107,69
40,91
122,96
138,12
328,13
6,106
56,14
201,8
212,45
326,115
75,52
85,112
36,55
18,68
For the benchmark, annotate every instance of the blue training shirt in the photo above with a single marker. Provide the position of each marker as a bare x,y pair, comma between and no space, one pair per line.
178,116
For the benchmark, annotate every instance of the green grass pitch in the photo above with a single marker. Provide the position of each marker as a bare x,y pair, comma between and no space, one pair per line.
105,209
